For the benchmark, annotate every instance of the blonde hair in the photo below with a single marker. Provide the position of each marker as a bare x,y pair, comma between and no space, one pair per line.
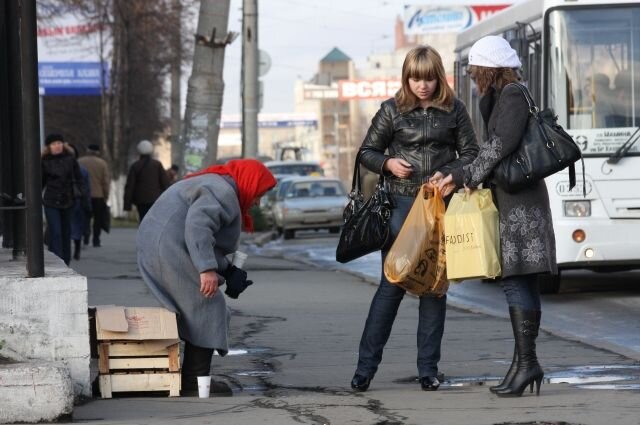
423,63
485,77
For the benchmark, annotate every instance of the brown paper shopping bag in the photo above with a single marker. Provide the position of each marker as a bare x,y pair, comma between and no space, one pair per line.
472,236
416,260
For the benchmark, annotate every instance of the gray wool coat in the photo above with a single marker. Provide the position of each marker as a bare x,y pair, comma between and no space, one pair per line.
527,240
190,229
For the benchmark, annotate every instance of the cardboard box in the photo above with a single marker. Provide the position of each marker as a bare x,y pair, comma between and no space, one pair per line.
157,326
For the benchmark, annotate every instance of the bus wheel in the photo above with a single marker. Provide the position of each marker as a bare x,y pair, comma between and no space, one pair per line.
549,283
289,233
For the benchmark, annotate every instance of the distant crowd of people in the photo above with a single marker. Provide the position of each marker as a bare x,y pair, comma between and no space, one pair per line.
75,193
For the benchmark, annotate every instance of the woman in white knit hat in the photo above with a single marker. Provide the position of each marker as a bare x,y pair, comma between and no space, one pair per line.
526,230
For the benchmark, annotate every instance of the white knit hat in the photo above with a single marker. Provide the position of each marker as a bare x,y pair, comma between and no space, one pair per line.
145,147
493,52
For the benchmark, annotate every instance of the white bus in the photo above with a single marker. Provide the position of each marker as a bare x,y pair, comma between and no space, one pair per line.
582,59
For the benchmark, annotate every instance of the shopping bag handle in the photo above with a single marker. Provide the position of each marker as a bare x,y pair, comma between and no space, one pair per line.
428,192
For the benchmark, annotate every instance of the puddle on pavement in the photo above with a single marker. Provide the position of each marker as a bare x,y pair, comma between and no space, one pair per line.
245,351
254,373
620,387
599,377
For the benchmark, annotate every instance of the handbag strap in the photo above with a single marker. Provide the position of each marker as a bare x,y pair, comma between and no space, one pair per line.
533,110
356,183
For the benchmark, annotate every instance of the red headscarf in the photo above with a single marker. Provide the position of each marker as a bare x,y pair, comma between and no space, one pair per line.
252,178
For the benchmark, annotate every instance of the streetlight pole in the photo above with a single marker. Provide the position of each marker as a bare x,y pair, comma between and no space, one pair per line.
250,85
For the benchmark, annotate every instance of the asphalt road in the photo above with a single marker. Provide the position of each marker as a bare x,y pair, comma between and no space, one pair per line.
294,337
600,309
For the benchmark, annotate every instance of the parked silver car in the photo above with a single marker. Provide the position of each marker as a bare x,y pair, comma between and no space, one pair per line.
309,203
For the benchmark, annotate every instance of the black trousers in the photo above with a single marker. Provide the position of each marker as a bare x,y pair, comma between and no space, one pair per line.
98,211
196,362
143,209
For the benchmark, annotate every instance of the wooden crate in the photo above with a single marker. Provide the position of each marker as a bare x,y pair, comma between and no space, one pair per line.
126,366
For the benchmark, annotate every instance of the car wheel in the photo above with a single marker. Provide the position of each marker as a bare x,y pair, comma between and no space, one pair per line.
289,234
549,283
334,230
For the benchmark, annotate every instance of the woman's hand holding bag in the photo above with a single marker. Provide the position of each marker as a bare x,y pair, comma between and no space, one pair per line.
416,260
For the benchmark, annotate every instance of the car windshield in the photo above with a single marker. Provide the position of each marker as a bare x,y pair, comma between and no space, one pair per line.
594,76
297,169
315,189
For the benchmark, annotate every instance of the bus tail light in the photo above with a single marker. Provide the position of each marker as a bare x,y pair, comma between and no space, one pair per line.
579,235
577,208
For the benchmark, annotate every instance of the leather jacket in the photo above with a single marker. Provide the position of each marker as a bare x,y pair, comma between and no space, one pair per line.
433,139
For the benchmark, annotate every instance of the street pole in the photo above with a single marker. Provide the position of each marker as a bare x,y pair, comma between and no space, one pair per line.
176,76
250,86
31,138
206,86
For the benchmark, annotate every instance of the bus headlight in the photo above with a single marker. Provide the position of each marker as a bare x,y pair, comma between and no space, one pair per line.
577,208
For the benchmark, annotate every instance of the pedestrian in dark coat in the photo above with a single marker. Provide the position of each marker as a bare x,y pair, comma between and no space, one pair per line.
81,209
146,181
526,228
61,184
421,133
182,246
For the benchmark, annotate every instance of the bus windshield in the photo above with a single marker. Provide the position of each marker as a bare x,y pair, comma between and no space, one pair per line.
594,75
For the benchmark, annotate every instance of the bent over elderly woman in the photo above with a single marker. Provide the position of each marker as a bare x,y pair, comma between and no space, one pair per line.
182,246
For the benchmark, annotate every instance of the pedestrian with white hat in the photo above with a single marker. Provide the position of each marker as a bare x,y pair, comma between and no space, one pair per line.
526,229
146,181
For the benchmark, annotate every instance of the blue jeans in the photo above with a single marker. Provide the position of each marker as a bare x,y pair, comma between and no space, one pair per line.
59,227
522,291
384,308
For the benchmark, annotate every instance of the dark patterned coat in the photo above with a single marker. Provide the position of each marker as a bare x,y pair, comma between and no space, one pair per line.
526,228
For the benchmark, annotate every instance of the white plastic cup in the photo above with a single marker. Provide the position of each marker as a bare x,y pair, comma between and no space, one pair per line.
204,385
239,259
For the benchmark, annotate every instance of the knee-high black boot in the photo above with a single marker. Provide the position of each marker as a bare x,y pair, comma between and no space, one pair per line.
197,362
526,324
514,362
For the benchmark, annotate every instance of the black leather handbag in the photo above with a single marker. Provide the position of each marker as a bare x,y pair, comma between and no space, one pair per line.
366,224
544,150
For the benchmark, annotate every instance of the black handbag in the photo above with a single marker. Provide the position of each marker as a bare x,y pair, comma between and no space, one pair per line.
544,150
366,224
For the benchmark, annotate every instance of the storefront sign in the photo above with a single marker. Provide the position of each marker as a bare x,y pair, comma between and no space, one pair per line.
367,89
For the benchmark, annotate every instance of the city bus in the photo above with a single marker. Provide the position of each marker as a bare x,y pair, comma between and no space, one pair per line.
581,59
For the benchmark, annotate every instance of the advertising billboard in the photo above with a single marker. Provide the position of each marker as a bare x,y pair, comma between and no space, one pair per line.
371,89
430,19
69,46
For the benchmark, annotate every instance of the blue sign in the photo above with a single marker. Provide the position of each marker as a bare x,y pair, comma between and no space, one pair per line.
72,78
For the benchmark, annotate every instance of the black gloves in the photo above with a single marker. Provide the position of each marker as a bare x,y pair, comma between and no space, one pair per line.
236,280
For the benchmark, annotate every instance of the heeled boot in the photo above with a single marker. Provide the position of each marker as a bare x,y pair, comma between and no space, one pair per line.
514,362
526,324
197,362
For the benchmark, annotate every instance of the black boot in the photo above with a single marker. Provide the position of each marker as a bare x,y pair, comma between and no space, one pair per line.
77,246
197,362
526,324
514,362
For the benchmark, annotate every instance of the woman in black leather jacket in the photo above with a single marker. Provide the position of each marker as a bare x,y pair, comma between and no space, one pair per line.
421,133
60,172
